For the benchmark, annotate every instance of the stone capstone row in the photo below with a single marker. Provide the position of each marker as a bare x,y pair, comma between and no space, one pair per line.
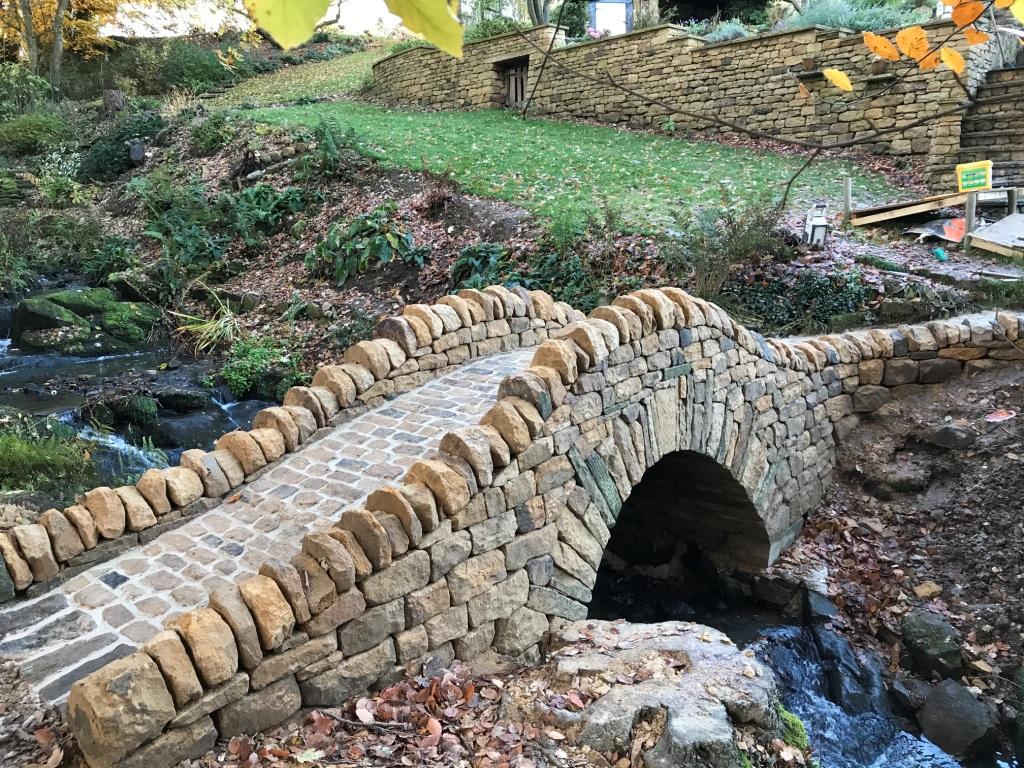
495,540
425,342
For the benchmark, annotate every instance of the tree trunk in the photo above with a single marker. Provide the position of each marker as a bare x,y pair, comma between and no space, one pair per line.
57,52
539,11
28,31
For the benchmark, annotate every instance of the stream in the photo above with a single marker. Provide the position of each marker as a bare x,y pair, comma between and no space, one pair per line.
872,738
60,385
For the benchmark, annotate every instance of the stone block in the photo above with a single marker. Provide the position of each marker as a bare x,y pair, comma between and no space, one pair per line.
259,710
270,610
372,626
210,643
278,665
407,574
348,677
476,575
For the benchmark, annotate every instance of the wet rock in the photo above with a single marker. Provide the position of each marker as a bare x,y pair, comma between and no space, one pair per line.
957,721
910,694
932,644
951,436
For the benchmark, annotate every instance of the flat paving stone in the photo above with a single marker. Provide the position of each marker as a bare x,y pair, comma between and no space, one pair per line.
61,636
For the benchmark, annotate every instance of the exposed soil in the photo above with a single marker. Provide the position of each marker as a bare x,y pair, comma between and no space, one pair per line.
927,512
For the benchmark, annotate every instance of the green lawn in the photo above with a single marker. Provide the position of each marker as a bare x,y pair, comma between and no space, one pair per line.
559,169
303,81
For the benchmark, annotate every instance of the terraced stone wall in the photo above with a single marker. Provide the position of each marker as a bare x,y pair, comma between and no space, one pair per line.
496,539
752,82
421,344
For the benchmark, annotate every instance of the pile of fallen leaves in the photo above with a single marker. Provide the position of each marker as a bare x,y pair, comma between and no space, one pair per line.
450,719
31,735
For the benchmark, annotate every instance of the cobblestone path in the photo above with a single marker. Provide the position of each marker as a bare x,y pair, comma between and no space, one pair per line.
109,610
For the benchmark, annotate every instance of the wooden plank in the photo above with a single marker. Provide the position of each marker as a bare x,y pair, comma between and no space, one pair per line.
1005,237
902,203
923,206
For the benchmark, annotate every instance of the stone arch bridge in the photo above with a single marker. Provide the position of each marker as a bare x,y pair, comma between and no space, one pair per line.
396,509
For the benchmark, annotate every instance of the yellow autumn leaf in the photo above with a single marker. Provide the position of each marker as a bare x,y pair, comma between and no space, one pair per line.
289,22
968,13
913,41
436,21
1004,3
975,36
929,62
1017,9
839,79
951,58
880,46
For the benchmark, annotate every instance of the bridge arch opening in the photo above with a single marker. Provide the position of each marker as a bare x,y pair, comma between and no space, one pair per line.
685,524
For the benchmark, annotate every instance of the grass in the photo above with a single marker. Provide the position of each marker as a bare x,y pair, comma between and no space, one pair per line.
561,170
303,81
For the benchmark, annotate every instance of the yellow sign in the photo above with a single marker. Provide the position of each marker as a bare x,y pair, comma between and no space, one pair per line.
974,177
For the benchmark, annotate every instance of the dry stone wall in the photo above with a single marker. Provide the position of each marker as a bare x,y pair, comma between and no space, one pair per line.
496,539
752,82
424,342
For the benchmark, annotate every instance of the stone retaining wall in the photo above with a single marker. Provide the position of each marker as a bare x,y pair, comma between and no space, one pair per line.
497,538
411,349
752,81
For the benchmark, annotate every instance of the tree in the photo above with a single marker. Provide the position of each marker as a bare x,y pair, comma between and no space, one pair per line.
44,29
539,10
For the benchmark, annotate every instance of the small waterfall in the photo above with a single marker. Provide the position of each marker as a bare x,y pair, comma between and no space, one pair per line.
840,739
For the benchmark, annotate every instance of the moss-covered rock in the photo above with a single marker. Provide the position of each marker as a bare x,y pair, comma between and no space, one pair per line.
134,285
140,410
39,313
54,339
793,731
184,400
84,301
129,321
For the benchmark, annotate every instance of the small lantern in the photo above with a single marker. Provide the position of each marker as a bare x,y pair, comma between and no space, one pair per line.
816,226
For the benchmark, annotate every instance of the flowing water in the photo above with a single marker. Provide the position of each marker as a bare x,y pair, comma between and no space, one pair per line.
871,739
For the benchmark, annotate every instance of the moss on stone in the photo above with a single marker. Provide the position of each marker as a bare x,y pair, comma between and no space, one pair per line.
140,410
84,301
54,339
793,731
39,313
129,322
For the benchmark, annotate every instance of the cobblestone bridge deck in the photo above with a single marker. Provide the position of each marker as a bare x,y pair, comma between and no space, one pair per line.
109,610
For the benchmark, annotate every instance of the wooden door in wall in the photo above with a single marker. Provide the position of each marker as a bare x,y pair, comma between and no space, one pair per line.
515,84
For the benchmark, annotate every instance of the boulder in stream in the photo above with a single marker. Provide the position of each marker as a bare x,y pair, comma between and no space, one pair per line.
932,644
957,721
675,691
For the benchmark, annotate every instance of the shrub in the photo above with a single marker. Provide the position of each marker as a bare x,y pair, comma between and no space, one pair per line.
108,157
261,209
14,268
572,16
371,240
187,65
42,455
338,151
31,133
114,254
478,266
20,90
732,29
61,191
852,14
211,134
783,303
260,366
705,244
499,25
